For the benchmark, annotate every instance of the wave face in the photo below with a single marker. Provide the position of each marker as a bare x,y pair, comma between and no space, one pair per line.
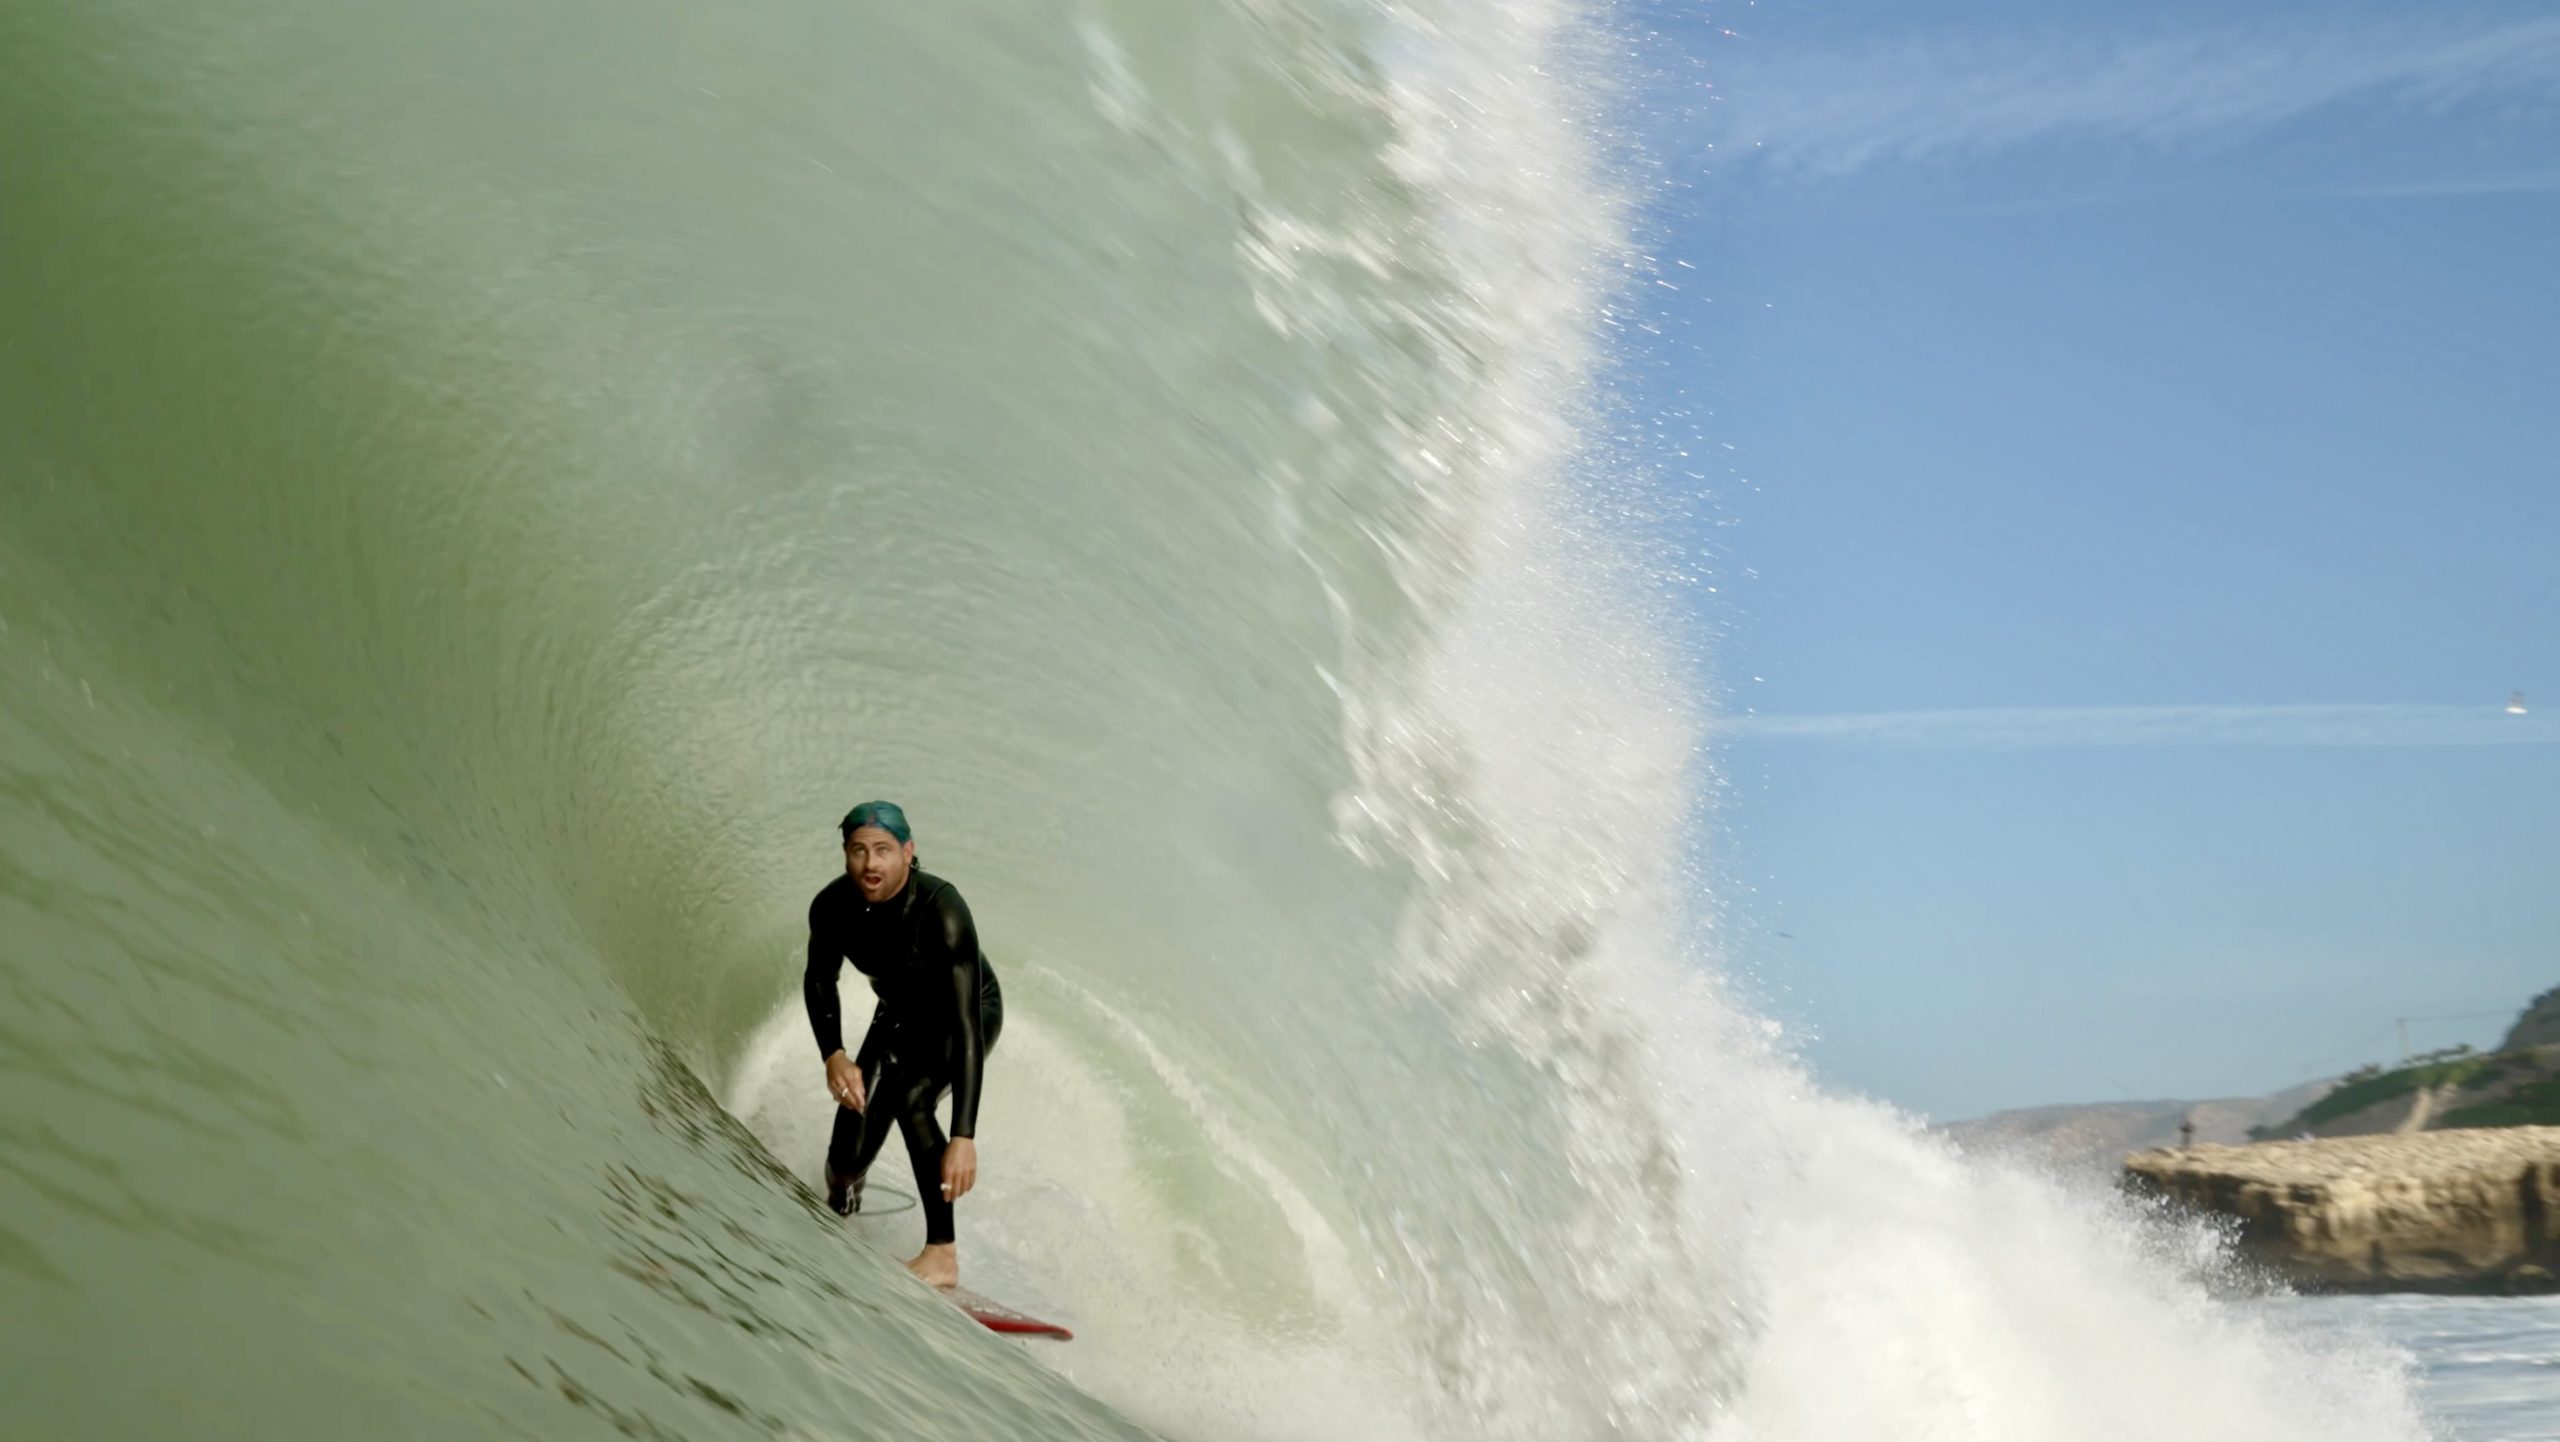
486,486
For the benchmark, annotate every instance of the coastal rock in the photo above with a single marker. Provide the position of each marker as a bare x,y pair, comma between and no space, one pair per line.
2471,1210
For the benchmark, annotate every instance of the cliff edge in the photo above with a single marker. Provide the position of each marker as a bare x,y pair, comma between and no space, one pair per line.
2446,1211
2539,1026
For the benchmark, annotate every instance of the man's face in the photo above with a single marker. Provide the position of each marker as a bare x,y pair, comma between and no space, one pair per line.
877,862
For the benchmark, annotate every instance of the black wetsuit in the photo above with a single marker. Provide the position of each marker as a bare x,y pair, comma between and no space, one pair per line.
938,1014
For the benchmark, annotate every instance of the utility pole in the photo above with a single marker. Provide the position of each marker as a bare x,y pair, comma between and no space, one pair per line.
2404,1041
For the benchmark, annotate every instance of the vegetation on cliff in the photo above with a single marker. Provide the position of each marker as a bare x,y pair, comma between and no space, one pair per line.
2535,1103
2440,1091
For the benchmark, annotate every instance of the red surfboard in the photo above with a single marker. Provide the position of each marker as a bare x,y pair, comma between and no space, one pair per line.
989,1313
997,1317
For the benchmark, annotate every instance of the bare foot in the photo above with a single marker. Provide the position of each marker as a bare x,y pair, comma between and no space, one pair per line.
937,1265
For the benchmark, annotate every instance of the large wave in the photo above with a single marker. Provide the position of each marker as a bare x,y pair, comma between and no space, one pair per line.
486,486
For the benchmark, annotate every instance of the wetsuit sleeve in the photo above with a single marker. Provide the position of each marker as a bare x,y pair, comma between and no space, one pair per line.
818,984
958,936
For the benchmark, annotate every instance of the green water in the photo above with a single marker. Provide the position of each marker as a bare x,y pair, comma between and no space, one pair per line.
481,488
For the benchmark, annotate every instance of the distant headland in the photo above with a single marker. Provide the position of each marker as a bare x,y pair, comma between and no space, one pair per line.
2440,1174
2470,1210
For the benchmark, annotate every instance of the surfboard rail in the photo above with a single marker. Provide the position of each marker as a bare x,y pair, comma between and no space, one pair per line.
995,1316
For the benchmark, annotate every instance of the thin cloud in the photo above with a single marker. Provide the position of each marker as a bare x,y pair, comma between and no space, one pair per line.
1928,98
2018,728
2533,183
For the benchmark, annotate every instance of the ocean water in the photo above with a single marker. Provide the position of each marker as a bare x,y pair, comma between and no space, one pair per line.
484,485
2487,1368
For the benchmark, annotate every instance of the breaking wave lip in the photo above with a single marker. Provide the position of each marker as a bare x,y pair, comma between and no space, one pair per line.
1746,1255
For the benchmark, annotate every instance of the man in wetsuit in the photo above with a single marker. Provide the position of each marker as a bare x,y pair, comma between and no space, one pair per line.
938,1014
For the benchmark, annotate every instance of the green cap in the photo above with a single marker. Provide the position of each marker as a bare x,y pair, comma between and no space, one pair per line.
884,814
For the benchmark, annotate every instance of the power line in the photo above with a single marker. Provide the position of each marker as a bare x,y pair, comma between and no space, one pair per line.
2312,1068
2400,1024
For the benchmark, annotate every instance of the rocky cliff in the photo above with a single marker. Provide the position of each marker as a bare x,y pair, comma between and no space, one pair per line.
2539,1026
2475,1210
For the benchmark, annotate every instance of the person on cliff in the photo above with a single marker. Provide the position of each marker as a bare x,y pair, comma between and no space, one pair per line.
937,1015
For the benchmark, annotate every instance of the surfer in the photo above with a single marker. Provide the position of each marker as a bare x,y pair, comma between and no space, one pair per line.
938,1014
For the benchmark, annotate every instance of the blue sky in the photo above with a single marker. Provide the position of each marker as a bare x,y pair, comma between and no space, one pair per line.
2138,434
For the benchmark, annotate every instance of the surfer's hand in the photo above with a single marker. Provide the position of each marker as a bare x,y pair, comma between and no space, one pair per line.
959,1168
844,1080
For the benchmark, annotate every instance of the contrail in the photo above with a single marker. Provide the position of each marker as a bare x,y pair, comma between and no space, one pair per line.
2052,726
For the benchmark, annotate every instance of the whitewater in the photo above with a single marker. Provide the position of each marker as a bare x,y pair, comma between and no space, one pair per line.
484,486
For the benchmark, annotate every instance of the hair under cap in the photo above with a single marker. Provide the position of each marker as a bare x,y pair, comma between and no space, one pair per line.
884,814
